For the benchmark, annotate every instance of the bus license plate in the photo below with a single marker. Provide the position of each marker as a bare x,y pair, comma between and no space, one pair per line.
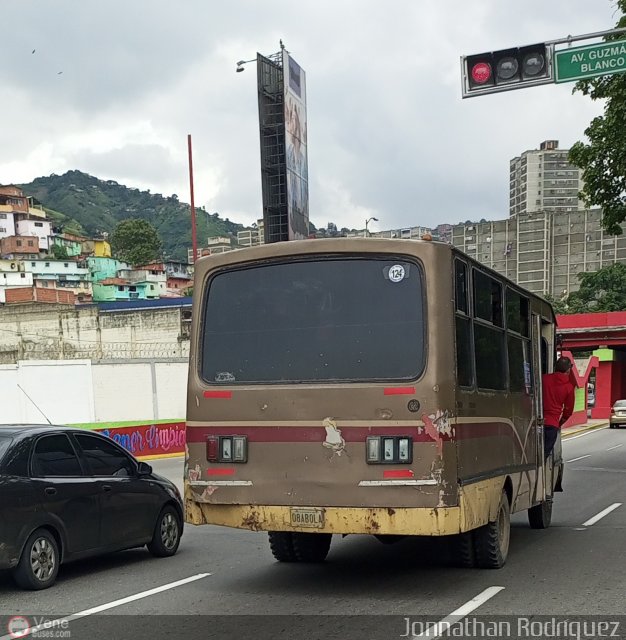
313,518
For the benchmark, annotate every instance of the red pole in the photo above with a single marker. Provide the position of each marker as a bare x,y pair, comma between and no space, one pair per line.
194,239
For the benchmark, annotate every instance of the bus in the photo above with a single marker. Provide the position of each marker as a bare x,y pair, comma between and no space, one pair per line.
367,386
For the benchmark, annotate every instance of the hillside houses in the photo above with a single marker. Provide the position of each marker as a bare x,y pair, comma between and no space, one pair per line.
40,263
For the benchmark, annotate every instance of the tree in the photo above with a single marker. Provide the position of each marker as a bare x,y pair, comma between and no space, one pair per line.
603,290
59,252
603,160
136,242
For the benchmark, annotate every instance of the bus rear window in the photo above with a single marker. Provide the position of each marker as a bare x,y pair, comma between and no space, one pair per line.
349,319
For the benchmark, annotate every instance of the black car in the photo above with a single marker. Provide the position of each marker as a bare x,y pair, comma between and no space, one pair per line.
67,494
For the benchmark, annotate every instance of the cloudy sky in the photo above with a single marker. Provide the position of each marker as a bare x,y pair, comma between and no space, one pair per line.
113,88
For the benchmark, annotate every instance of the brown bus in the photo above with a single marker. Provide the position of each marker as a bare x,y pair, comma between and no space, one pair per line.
367,386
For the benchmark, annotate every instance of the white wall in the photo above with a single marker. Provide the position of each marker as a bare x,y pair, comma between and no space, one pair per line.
11,409
79,391
16,279
123,391
7,224
39,228
171,384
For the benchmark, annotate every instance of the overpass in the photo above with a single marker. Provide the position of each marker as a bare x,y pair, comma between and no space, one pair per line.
599,338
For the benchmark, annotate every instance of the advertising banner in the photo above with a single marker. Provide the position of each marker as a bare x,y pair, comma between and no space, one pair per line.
296,148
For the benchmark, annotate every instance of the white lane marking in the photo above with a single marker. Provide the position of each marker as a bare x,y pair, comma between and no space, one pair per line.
52,624
439,628
617,446
582,435
604,512
580,458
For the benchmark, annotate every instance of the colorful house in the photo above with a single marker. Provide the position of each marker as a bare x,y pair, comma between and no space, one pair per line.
71,244
115,289
102,268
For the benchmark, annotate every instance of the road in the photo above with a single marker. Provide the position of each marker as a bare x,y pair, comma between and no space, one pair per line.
576,567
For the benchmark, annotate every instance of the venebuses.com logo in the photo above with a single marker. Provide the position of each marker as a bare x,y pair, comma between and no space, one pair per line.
37,627
18,627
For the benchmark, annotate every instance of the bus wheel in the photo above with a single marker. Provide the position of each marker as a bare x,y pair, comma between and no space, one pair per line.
311,547
491,542
463,549
281,545
540,516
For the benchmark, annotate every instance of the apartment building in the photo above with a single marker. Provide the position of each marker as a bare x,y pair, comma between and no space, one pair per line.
543,251
19,247
60,274
27,225
544,180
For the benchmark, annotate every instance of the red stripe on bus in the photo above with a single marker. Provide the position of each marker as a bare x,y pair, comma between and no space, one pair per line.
399,391
398,473
220,471
303,434
218,394
463,431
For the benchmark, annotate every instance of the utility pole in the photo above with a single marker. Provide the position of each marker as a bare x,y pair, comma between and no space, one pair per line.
194,239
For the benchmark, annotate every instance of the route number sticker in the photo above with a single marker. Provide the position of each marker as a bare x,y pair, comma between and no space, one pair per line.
396,273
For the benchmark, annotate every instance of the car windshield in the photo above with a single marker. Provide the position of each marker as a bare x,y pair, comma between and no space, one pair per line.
620,404
5,441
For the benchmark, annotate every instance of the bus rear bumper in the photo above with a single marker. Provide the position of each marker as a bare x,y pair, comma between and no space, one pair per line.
477,506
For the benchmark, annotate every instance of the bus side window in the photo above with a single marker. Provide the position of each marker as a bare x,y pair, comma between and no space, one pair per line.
489,333
460,287
463,326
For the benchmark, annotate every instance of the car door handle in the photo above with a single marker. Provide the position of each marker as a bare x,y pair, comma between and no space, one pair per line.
50,491
106,487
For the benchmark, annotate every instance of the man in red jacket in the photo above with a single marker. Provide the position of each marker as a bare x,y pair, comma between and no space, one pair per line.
558,401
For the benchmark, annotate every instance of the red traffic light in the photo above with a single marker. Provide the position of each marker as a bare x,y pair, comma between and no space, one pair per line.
481,72
506,69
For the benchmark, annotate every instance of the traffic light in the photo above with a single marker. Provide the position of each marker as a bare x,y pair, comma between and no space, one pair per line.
507,69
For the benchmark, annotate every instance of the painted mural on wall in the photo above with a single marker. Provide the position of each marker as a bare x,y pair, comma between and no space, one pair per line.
149,439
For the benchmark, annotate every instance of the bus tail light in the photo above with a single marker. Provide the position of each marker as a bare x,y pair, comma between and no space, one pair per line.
389,450
227,449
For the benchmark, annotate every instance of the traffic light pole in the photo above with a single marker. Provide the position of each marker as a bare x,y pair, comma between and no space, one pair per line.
587,36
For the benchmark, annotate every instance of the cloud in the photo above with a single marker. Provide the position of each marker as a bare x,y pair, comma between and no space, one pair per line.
389,135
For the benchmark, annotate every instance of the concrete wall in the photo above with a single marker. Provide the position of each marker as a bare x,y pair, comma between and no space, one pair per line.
79,391
58,332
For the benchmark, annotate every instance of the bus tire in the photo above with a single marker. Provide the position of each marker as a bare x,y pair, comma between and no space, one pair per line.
463,548
311,547
540,516
491,542
281,546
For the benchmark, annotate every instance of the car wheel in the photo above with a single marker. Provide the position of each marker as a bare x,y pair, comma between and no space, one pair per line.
39,563
166,537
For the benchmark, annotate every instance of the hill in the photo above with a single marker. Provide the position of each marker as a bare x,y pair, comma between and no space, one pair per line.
81,203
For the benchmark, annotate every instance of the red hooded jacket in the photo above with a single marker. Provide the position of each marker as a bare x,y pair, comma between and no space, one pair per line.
558,399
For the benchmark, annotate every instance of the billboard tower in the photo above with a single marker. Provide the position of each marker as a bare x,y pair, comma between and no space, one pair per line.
283,133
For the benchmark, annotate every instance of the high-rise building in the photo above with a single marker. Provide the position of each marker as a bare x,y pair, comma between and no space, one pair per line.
545,180
543,252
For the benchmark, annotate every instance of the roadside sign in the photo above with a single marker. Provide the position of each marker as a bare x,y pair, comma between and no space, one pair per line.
590,61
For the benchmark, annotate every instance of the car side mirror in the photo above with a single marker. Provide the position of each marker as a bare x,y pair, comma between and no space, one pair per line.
144,469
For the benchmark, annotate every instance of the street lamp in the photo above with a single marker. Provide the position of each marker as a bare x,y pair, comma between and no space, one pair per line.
367,222
240,64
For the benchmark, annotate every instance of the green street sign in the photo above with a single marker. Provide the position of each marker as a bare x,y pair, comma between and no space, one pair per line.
590,61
